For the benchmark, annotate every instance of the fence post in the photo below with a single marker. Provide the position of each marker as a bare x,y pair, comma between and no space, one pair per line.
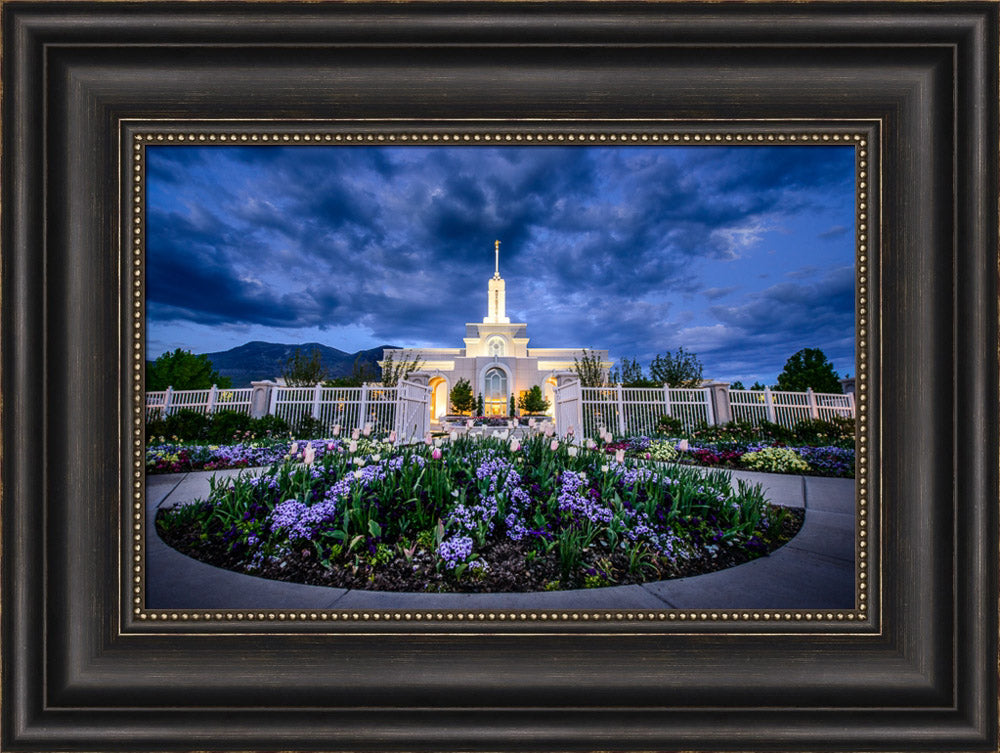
213,395
813,407
260,398
273,407
850,403
317,393
666,400
621,411
709,413
363,407
769,405
167,397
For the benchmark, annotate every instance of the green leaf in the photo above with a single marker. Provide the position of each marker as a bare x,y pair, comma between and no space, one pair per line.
374,528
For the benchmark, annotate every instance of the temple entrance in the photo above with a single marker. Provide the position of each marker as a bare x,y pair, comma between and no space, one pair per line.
439,397
495,393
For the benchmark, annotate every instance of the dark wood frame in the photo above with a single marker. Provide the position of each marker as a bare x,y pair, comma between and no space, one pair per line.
919,674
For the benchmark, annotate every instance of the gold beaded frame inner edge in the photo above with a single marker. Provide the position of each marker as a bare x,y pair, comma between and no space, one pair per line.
134,136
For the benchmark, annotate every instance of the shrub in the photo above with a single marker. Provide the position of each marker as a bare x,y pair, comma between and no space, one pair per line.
669,426
273,424
186,425
308,427
225,425
838,432
775,460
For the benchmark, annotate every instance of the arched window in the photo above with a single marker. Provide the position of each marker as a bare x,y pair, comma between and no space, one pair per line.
495,392
495,346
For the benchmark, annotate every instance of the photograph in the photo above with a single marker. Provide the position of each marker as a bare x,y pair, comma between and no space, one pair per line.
545,375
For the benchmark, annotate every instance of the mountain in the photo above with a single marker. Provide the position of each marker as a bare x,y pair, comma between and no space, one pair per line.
259,360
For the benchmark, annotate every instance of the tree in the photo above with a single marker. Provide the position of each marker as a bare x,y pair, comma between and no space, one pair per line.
510,407
480,405
680,369
737,385
757,386
590,370
304,371
809,368
532,401
361,373
393,371
461,396
183,370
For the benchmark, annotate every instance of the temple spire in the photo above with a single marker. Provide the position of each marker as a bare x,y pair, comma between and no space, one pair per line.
496,273
497,307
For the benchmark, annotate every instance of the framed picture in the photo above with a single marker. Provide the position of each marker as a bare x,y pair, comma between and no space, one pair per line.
122,122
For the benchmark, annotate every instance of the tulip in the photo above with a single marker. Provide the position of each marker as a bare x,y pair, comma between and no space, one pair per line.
453,436
331,446
437,442
357,475
591,444
572,452
436,453
531,423
682,445
468,424
368,430
376,457
554,445
569,430
514,445
353,446
620,456
356,434
392,436
294,449
427,439
309,455
336,430
604,469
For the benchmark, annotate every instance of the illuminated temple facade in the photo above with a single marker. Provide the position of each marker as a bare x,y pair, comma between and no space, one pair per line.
496,359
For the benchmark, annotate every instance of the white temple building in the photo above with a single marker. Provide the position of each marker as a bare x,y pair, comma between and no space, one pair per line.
496,359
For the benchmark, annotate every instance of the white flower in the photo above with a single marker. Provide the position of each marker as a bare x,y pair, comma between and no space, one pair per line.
336,430
293,450
620,456
357,475
572,452
453,436
353,446
604,469
368,430
376,458
309,455
590,443
437,442
356,434
514,445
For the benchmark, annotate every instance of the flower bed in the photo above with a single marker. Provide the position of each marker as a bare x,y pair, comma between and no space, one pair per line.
770,458
475,515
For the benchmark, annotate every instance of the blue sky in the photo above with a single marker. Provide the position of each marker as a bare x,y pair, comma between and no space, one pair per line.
742,254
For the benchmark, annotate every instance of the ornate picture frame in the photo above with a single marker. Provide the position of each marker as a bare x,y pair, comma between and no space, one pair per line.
87,666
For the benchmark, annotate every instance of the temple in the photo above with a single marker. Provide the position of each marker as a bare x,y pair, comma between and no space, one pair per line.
496,358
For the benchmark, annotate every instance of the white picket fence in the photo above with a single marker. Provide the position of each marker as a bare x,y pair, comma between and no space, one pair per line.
164,402
636,410
404,408
785,408
630,411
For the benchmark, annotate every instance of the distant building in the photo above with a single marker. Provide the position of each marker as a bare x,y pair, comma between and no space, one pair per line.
496,359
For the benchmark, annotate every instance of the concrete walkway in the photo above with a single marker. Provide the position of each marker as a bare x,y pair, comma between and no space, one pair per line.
815,570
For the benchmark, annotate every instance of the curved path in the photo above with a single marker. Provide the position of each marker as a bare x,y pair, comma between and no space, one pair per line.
815,570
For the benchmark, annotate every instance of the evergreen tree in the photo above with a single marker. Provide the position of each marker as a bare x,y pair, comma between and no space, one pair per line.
480,405
361,373
532,401
461,396
183,370
737,385
809,368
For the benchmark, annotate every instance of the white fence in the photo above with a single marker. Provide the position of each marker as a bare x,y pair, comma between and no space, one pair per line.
636,410
786,408
165,402
629,411
348,407
405,408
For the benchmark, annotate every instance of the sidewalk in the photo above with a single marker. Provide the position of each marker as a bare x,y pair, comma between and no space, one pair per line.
815,570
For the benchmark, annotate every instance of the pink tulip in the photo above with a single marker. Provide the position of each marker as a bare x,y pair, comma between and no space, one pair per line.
620,456
293,450
368,430
309,455
353,446
682,445
392,436
336,430
554,445
356,434
436,453
331,446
